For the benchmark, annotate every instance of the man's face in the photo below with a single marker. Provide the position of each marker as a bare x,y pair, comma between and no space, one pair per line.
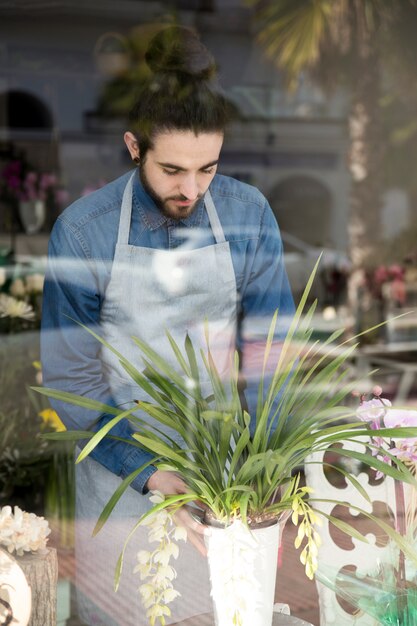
178,169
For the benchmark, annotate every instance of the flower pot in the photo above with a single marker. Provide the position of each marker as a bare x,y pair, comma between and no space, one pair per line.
15,592
242,565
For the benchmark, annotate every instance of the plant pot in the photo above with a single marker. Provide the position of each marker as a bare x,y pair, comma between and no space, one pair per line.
242,565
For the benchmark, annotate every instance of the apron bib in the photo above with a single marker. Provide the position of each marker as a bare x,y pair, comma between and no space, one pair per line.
150,290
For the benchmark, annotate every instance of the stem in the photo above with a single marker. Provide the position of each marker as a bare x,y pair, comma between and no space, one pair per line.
400,528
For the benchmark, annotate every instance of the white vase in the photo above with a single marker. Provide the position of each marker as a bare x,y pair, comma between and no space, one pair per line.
243,565
32,215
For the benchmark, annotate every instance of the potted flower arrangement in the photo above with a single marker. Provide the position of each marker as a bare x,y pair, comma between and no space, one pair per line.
387,592
30,191
243,469
25,535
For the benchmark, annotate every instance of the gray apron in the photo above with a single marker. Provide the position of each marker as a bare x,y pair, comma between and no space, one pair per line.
150,290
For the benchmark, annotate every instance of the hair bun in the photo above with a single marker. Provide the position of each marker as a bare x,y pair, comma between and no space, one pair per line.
178,50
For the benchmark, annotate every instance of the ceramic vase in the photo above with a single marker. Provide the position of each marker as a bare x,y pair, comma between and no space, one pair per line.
242,565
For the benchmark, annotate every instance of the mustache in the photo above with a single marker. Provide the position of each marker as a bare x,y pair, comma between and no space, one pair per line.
181,198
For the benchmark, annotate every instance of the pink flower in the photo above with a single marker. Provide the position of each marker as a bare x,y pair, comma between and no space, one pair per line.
61,196
47,181
381,274
13,182
406,449
31,178
400,417
373,410
396,271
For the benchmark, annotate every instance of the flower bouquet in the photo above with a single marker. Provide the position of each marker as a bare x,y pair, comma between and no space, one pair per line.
243,469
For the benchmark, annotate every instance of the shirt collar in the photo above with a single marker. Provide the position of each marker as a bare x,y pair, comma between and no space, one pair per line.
152,216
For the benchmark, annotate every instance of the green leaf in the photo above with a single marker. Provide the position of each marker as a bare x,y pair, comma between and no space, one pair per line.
99,435
178,355
68,435
104,515
192,359
73,398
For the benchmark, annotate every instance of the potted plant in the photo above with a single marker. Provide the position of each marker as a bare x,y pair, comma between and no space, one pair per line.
244,469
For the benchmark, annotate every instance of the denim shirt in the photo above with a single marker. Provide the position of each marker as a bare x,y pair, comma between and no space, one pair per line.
80,255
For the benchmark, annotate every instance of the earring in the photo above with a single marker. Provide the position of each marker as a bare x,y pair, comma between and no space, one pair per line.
136,160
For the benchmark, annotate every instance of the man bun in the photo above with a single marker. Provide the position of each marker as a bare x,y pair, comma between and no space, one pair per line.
178,50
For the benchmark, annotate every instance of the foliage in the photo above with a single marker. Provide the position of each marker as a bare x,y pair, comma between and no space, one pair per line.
120,93
26,459
240,466
325,36
343,43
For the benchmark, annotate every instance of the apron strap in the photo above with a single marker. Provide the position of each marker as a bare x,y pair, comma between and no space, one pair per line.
215,224
126,212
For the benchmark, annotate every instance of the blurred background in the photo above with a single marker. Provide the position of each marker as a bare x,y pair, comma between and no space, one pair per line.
326,96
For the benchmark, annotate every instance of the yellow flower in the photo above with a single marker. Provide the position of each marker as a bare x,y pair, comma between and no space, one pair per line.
51,418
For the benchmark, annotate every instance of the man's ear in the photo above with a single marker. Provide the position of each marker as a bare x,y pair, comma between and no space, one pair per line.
132,145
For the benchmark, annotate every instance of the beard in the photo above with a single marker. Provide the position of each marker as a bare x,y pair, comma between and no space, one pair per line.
179,212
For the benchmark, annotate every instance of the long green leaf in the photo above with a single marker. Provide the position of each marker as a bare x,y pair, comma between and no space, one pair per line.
73,398
95,440
105,514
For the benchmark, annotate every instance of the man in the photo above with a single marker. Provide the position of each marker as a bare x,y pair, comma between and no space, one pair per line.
166,247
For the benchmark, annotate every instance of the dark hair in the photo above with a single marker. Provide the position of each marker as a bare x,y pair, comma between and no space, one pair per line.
181,93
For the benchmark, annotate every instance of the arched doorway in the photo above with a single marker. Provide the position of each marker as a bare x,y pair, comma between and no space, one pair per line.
22,110
302,206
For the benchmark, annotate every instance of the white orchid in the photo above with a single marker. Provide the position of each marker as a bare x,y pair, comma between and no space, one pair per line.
154,566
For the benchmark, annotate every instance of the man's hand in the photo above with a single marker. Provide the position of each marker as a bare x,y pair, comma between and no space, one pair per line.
170,484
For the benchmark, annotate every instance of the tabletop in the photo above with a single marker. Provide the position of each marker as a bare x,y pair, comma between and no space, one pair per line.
279,620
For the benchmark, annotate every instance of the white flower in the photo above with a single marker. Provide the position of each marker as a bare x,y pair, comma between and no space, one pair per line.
164,555
22,532
17,288
10,307
168,595
157,497
154,566
164,572
180,533
143,556
34,283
